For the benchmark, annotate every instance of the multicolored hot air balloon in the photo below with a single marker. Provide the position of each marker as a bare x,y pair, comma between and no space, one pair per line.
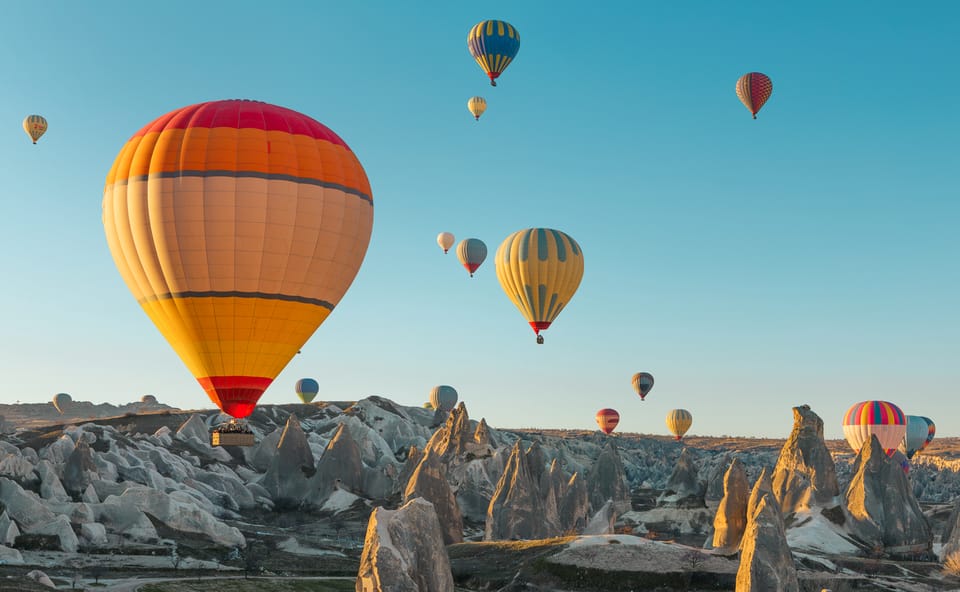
919,434
607,419
443,397
874,418
539,269
238,226
62,402
35,126
678,422
445,240
307,389
471,252
477,105
754,89
493,44
642,383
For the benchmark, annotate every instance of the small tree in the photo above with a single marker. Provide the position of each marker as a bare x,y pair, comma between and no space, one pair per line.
96,572
175,558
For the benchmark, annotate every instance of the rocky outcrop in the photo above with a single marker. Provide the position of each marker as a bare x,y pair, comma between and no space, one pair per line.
516,508
763,485
951,533
40,578
882,508
288,471
404,551
179,514
766,564
684,488
606,480
574,508
805,476
730,521
79,470
8,530
414,456
340,464
428,482
602,521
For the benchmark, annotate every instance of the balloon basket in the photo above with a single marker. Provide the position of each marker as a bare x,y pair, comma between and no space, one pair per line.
539,339
231,439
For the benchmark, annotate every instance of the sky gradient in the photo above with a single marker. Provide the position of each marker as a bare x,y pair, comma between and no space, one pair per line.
810,256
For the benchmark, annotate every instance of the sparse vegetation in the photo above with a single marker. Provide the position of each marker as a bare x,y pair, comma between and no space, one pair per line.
951,564
258,585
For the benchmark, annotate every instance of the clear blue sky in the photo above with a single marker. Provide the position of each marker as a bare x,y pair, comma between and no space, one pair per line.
810,256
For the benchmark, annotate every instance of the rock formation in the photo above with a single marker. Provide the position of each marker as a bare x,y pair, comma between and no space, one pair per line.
882,508
516,508
340,464
951,533
288,471
606,480
404,551
684,488
730,521
428,482
763,485
805,476
574,508
766,564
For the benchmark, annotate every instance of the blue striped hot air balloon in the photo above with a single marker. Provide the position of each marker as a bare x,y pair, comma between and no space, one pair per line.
493,44
307,389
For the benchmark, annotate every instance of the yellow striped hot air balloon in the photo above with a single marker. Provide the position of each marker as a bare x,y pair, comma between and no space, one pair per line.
678,422
238,226
476,106
539,269
35,126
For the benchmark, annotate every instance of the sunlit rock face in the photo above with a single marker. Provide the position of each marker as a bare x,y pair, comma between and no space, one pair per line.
766,564
516,508
404,551
805,476
730,521
428,482
881,508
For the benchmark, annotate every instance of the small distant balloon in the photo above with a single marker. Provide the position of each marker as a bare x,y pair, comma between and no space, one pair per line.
445,240
35,126
471,252
607,419
642,383
427,405
62,402
493,44
307,389
477,105
443,397
678,422
874,418
754,89
148,400
920,432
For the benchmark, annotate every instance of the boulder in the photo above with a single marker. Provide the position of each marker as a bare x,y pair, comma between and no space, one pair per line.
805,476
766,564
50,486
404,551
8,530
193,428
428,482
730,521
179,515
40,578
94,533
19,469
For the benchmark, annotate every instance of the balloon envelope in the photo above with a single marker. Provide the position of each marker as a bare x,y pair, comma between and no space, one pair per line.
493,44
607,419
35,126
445,240
443,397
539,269
148,400
307,389
642,383
477,105
471,252
238,226
62,402
919,434
754,89
874,418
678,422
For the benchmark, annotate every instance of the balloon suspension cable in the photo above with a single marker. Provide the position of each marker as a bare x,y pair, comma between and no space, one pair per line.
539,339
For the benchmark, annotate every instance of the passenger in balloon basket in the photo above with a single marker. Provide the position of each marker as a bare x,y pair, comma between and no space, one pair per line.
234,426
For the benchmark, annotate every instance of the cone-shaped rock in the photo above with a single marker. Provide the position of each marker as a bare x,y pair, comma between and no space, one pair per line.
79,470
805,476
404,551
286,477
766,564
730,520
763,485
575,506
606,479
340,465
882,506
428,482
684,488
516,508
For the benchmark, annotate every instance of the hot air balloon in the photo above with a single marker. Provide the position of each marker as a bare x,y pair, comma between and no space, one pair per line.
607,419
35,126
445,240
477,105
642,383
919,434
898,458
678,422
874,418
62,402
307,389
427,405
148,400
238,226
471,252
443,397
754,89
539,269
493,44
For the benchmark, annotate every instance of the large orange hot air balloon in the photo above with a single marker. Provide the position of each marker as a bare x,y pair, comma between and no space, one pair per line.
607,419
238,226
754,89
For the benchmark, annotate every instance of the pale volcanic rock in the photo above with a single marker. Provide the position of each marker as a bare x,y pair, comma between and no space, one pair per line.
94,533
40,578
18,468
341,463
428,482
59,527
684,488
59,450
414,456
602,521
286,477
8,530
179,515
125,521
193,428
516,508
50,486
79,469
23,507
404,551
763,485
606,480
553,484
766,564
262,454
574,508
805,475
9,556
882,508
730,521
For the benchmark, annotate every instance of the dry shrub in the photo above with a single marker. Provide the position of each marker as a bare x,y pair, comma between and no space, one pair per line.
951,564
